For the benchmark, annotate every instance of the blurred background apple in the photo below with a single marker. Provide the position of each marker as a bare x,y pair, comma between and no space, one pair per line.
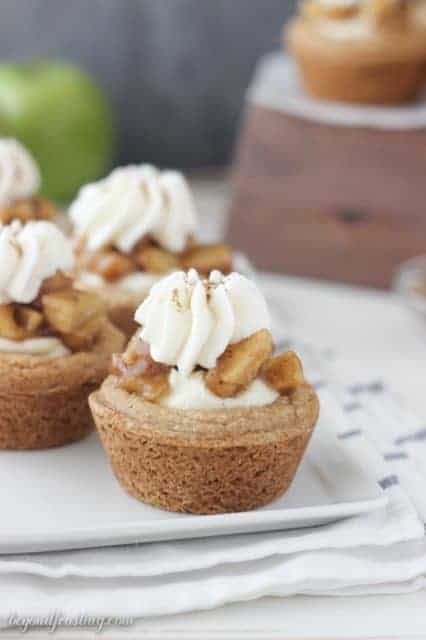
63,117
175,71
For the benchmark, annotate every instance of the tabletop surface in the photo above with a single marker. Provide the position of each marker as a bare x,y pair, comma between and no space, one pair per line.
374,330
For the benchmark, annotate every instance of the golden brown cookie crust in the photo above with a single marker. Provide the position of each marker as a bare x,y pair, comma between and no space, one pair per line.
43,401
374,84
204,461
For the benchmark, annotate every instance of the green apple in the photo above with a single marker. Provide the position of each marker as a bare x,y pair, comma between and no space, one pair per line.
62,117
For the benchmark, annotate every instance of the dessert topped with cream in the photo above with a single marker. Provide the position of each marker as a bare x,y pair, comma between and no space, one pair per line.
131,203
138,224
206,344
198,414
359,52
20,182
359,19
40,311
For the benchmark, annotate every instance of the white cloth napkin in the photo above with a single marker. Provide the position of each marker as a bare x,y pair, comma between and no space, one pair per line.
379,552
276,86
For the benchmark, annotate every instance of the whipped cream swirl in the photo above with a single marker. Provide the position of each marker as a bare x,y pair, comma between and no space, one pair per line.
188,321
28,255
19,173
132,202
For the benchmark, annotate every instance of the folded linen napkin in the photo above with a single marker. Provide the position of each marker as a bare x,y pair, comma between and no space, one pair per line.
379,552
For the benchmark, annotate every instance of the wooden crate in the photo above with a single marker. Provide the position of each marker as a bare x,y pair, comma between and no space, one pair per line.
333,202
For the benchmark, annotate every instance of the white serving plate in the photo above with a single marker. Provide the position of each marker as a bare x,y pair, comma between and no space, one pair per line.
68,498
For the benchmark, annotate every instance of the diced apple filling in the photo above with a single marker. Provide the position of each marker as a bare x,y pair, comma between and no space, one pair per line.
239,364
75,316
112,265
139,373
35,208
283,372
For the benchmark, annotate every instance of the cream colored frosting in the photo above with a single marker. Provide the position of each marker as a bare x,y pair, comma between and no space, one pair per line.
190,392
356,28
339,3
138,283
28,255
188,321
19,173
362,24
48,347
132,202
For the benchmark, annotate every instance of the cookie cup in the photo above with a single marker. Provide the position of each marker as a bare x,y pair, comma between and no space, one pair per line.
382,68
203,461
43,401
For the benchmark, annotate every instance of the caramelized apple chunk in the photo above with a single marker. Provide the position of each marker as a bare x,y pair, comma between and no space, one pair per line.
111,265
69,310
150,388
284,372
137,352
29,319
56,283
139,373
35,208
9,328
239,364
156,260
207,258
19,323
82,338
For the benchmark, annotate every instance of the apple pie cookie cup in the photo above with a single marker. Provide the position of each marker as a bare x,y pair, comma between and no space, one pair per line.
360,53
198,415
55,341
43,401
204,461
131,229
